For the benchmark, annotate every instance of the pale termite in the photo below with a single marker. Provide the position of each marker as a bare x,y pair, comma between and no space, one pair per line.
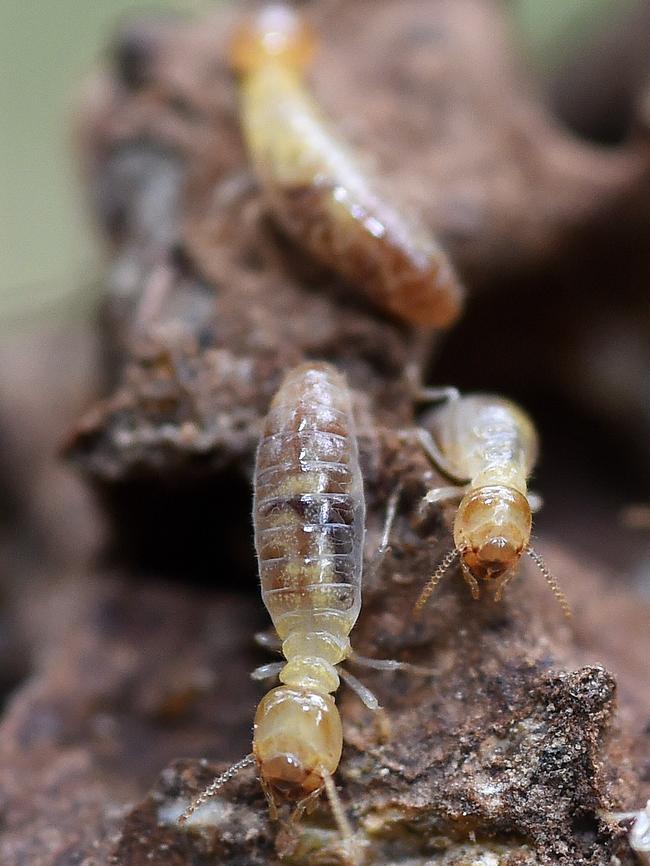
319,192
309,524
487,446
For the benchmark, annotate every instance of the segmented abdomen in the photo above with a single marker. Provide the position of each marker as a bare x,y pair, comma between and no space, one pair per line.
489,439
324,200
309,510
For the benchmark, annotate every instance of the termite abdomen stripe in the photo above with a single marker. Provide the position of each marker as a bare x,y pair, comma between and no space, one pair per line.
330,446
317,509
339,538
334,476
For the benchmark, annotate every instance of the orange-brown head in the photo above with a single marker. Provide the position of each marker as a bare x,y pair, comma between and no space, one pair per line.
274,34
491,531
297,740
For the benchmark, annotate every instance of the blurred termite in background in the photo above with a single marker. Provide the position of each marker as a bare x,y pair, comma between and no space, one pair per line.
309,521
487,446
319,192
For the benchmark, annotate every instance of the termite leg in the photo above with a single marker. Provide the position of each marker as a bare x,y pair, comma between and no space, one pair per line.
437,395
268,640
362,692
391,511
214,786
424,394
383,726
442,494
438,459
265,672
434,580
268,795
382,721
389,665
552,581
535,500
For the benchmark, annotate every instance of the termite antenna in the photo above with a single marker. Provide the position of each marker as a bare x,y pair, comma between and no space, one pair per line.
362,692
212,788
551,580
434,580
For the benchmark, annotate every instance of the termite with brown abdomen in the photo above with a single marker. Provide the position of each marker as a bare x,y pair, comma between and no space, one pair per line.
309,516
319,192
488,446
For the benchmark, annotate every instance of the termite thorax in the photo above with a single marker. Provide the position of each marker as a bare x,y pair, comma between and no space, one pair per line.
311,659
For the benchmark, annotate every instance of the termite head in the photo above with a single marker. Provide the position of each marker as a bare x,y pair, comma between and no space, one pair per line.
297,741
274,34
491,531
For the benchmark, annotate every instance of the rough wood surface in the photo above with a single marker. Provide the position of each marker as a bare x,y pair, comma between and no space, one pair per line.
510,749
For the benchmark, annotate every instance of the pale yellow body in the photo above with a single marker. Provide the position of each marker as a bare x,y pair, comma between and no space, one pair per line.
297,737
488,439
309,522
317,189
493,443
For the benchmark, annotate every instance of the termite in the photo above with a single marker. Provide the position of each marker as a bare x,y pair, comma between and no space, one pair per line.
309,524
487,446
639,832
319,192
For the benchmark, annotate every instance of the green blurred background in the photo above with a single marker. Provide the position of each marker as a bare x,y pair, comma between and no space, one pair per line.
47,256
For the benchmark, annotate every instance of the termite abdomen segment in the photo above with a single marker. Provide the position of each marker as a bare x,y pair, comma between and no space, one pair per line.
350,229
275,33
297,740
491,530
